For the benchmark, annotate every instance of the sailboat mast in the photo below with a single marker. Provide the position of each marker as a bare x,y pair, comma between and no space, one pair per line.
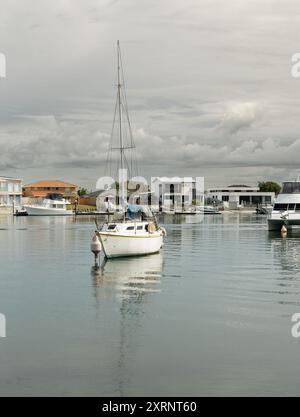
120,125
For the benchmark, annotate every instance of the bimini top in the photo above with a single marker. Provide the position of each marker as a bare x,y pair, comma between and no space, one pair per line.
133,209
290,187
54,196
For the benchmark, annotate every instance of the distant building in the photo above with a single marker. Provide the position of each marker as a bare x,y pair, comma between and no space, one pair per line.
176,192
42,188
89,199
240,195
10,191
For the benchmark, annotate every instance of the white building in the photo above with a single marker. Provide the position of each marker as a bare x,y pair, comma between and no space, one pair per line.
236,196
172,193
10,191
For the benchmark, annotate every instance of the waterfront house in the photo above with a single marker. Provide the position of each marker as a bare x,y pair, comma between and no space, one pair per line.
40,189
235,196
176,192
89,199
10,191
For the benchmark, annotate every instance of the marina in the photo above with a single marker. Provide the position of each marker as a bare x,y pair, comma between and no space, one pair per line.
149,202
79,330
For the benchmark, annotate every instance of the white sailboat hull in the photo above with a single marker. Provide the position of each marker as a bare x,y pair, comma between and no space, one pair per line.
45,211
117,245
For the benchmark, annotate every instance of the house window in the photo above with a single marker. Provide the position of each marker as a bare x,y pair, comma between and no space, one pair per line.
256,199
194,194
244,199
16,187
3,186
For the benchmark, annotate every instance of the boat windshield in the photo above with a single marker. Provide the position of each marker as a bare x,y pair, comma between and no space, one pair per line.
55,196
285,207
292,187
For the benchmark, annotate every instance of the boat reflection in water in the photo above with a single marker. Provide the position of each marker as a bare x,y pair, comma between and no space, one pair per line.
131,283
128,277
286,250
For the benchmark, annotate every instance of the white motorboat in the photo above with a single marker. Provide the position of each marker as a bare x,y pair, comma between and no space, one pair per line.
267,209
52,205
286,210
208,210
137,232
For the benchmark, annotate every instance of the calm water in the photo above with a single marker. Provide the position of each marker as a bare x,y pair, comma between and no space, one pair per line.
210,315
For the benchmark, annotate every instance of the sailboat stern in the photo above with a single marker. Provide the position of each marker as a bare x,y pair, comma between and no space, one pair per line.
118,245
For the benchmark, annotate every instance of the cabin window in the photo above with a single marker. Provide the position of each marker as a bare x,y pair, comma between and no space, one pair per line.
297,207
130,228
111,227
139,228
281,207
291,207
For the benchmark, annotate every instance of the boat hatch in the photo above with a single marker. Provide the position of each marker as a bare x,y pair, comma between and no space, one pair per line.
111,227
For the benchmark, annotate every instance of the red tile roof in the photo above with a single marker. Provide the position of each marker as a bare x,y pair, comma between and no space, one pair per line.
50,183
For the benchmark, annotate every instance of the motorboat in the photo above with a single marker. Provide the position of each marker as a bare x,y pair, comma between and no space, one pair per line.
286,210
208,210
52,205
21,212
266,210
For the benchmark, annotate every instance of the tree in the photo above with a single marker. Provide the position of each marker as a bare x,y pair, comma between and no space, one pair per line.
269,186
82,191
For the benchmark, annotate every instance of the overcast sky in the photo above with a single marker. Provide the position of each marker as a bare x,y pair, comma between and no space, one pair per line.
209,87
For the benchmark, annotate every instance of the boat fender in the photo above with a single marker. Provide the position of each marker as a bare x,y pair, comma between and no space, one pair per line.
96,246
163,230
284,230
151,228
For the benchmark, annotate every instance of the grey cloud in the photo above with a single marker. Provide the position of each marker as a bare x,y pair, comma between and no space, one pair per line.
209,86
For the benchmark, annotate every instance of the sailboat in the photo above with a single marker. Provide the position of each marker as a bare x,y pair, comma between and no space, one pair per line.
137,232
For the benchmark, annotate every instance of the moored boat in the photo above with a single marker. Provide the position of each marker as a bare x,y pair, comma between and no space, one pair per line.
131,238
286,210
53,205
208,210
136,232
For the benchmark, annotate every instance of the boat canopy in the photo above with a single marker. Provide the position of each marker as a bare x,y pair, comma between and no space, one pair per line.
133,209
55,196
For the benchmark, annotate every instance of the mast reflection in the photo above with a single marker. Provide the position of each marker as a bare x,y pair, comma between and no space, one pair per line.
131,282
